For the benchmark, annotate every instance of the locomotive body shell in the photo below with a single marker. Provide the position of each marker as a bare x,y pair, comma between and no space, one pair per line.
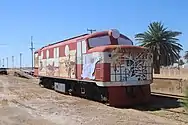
103,66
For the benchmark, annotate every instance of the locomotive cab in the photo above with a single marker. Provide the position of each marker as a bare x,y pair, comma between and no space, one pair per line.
112,37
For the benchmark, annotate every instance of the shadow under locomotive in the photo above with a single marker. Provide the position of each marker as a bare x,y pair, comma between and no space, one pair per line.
155,102
158,102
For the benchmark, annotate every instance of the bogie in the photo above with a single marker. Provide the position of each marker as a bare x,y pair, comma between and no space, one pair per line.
86,90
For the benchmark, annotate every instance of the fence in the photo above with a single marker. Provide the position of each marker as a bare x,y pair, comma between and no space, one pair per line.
171,80
173,72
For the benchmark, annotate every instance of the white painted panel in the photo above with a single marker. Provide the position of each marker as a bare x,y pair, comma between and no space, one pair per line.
84,59
79,51
42,54
49,62
56,62
105,57
67,50
39,61
59,87
83,46
118,77
95,54
47,54
54,52
89,67
112,70
36,55
57,52
113,78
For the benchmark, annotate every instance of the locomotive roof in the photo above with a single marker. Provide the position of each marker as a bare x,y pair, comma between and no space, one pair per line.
83,35
69,39
65,40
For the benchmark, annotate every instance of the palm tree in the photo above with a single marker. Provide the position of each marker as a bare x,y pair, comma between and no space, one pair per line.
186,56
162,43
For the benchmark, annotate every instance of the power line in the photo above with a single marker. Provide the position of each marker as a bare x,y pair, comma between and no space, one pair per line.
32,48
91,30
3,44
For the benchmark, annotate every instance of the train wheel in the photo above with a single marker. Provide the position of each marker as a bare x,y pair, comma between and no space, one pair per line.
98,94
41,83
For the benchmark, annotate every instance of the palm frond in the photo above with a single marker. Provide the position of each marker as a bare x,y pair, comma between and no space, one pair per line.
161,42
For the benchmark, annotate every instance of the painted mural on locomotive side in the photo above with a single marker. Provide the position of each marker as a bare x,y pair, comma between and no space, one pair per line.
131,65
61,61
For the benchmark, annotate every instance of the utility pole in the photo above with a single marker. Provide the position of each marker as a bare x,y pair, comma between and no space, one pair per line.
0,62
3,62
12,61
20,61
91,30
7,62
32,48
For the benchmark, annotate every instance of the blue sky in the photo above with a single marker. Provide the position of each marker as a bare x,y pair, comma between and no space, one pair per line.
50,21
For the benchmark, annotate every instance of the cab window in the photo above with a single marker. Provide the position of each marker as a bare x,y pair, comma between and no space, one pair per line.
124,41
99,41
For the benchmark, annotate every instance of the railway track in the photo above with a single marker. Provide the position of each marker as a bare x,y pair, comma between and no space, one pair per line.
169,95
184,113
172,114
179,98
164,110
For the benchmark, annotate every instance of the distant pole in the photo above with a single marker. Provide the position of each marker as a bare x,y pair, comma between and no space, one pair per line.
12,61
179,63
7,62
20,61
32,48
0,62
91,30
3,62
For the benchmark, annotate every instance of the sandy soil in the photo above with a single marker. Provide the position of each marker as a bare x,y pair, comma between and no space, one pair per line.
23,102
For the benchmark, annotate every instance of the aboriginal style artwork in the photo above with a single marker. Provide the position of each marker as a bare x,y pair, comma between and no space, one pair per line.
131,65
68,63
51,68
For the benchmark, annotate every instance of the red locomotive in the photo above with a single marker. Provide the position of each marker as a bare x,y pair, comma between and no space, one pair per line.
103,66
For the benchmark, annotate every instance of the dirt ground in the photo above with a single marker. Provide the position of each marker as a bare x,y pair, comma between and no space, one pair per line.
23,102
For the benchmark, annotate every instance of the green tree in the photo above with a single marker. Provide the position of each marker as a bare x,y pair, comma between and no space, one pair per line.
162,43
